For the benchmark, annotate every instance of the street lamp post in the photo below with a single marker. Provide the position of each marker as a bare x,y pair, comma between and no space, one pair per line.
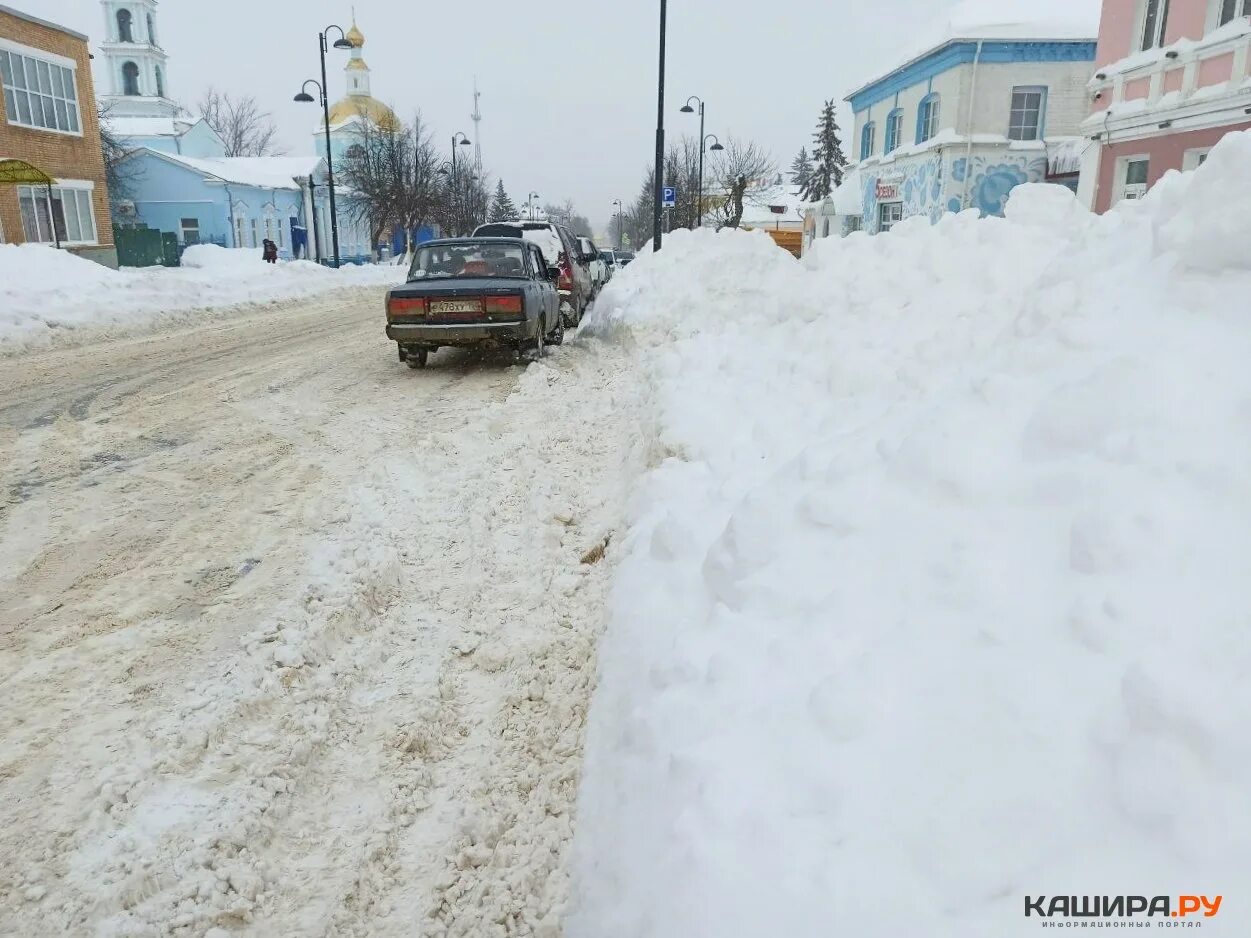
687,109
464,141
530,203
620,222
660,132
304,97
312,201
715,148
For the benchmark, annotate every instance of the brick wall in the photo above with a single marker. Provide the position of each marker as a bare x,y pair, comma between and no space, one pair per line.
60,155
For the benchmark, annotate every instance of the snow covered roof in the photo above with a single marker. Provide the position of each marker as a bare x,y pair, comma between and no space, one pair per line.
261,172
849,197
1004,21
151,126
759,205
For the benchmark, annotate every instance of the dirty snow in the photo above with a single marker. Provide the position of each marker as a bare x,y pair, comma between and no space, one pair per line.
296,641
942,596
51,298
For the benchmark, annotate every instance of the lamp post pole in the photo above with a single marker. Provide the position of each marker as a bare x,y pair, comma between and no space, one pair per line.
530,203
657,234
325,110
305,98
312,201
464,141
620,222
687,109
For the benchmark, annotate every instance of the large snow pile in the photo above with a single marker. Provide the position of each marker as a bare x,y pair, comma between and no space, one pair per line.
939,593
50,297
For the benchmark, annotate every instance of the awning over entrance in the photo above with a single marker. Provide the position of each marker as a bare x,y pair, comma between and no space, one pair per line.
20,173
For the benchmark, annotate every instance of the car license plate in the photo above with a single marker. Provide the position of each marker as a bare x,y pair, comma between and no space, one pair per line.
455,306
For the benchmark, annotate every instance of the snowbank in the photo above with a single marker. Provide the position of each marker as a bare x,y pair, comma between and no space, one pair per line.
937,596
50,297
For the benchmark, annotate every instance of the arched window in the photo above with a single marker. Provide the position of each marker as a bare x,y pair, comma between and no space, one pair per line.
151,30
868,139
927,118
130,79
894,128
124,33
160,83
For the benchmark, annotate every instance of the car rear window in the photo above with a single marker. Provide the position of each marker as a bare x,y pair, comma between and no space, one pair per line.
497,231
467,259
541,233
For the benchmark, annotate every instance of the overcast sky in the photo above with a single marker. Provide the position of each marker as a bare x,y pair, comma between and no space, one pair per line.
568,88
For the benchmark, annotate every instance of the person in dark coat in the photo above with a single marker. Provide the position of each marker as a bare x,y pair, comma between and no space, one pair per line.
269,252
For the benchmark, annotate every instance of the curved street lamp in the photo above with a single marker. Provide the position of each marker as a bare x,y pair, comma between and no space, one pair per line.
620,221
305,98
687,109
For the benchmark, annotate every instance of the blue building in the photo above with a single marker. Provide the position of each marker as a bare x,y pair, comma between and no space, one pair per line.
961,124
238,202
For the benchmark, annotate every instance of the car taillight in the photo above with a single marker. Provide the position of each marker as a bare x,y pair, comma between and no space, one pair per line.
565,280
502,305
402,306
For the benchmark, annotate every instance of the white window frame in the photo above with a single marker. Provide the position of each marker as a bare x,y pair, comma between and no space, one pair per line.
1216,8
1194,158
868,139
1161,24
48,59
1041,91
84,195
891,206
930,110
894,121
1123,188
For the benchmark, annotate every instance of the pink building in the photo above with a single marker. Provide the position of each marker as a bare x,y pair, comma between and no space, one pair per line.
1171,78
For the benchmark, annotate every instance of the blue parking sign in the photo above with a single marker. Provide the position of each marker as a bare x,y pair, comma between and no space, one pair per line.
671,196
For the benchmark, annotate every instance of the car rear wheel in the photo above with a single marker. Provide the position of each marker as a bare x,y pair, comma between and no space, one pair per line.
557,335
417,357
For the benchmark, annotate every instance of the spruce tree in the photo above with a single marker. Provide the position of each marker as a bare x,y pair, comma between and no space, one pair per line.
801,170
502,208
827,173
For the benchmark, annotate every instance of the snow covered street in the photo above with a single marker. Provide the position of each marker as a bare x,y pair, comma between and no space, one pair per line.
294,641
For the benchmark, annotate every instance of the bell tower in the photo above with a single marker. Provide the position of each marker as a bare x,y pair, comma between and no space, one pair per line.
138,82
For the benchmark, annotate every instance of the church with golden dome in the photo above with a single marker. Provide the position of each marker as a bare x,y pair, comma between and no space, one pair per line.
357,105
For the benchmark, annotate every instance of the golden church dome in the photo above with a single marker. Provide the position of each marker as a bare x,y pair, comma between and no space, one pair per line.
355,36
357,105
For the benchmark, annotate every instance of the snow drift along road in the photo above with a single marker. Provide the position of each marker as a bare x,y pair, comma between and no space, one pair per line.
942,597
52,298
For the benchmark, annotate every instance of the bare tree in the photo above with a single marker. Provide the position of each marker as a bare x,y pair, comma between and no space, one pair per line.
682,172
421,191
244,128
121,174
374,170
740,166
566,214
466,200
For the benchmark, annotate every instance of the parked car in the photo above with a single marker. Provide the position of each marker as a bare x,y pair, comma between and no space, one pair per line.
562,251
609,257
594,263
624,258
475,291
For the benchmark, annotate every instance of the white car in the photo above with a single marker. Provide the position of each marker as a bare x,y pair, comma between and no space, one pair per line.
594,263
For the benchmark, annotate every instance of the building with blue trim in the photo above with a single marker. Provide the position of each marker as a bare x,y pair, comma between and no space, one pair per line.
238,202
963,123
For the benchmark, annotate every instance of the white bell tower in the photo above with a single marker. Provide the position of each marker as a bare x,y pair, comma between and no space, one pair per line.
138,82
